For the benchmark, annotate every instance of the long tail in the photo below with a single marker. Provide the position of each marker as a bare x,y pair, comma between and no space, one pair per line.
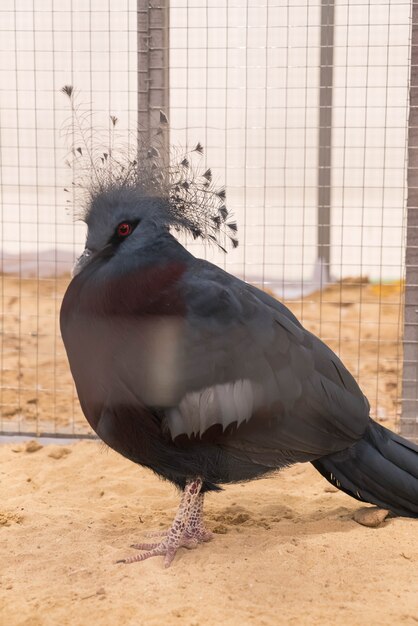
381,468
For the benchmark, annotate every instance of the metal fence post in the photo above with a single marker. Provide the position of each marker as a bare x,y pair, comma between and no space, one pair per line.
409,417
153,69
325,134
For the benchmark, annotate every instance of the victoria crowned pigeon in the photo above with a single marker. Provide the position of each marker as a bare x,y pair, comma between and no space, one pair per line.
200,376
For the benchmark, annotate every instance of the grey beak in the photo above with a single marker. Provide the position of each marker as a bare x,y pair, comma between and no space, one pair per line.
81,262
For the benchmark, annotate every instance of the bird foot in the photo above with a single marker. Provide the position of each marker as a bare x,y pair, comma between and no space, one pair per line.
187,530
166,548
171,542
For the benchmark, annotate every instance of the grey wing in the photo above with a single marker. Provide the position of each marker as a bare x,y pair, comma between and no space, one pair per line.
271,388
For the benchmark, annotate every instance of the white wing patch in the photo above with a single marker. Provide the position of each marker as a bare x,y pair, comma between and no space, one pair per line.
220,404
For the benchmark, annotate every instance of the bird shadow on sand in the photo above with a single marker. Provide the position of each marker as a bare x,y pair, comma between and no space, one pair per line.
281,520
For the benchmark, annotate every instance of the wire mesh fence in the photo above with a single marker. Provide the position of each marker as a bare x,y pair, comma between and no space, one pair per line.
302,108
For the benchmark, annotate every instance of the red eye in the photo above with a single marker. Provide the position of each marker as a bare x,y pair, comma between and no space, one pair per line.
124,229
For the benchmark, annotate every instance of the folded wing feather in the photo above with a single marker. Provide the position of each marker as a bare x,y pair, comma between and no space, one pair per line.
221,404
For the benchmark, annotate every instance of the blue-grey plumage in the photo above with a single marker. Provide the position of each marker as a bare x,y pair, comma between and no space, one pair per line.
207,380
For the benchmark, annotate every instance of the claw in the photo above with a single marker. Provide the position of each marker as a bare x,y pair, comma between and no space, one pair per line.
169,557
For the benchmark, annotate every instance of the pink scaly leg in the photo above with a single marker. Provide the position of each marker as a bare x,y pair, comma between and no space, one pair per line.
186,531
194,531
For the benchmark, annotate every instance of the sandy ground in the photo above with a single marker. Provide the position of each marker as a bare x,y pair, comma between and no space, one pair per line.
286,548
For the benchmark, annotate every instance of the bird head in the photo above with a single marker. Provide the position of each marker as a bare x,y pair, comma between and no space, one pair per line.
120,221
126,194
